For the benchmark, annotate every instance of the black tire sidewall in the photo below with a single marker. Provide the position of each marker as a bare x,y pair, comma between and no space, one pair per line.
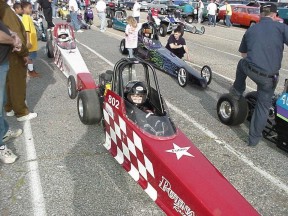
239,110
74,91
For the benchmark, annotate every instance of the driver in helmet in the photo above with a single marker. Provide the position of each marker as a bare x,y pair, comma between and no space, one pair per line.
136,94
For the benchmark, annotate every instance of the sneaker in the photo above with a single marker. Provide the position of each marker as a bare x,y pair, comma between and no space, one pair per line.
33,74
11,134
11,113
27,117
102,30
79,31
7,156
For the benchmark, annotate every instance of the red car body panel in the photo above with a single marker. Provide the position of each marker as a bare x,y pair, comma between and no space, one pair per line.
241,16
171,170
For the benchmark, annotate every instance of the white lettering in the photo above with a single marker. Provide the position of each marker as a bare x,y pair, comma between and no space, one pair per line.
179,205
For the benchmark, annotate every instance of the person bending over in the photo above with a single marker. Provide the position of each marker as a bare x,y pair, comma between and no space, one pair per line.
177,44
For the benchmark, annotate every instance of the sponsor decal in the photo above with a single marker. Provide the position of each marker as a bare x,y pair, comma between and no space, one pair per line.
180,151
179,205
139,88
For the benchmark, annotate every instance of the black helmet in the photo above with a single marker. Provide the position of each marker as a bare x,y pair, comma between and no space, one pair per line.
134,89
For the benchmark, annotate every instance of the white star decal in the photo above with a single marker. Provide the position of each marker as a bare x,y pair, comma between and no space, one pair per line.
180,151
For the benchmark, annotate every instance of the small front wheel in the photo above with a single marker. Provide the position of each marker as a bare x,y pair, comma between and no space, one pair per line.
202,30
163,30
72,88
193,30
123,49
206,73
182,77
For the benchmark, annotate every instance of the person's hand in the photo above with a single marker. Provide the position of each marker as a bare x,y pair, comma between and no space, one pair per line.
26,59
29,45
17,43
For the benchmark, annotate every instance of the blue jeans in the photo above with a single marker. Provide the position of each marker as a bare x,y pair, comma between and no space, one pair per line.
227,20
4,67
74,20
212,20
265,92
130,50
54,8
102,17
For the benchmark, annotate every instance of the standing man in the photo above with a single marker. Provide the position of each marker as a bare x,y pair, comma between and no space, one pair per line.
228,14
136,11
16,78
73,8
212,10
262,51
200,11
47,10
101,10
7,42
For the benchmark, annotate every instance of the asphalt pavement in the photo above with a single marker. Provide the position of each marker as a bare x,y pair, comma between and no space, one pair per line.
64,169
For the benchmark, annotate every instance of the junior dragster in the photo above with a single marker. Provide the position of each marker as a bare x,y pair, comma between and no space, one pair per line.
142,137
61,46
151,50
233,112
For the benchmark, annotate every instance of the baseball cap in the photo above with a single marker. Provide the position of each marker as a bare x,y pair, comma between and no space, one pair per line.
268,6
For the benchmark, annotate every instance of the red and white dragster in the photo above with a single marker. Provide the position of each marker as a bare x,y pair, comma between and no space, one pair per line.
61,46
144,139
141,136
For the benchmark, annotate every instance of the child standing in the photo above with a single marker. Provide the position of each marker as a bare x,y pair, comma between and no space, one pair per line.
18,10
32,43
131,33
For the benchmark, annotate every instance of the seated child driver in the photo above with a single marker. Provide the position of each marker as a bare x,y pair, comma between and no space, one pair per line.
136,94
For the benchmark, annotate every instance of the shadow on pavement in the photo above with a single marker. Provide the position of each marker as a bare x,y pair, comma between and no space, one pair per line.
37,86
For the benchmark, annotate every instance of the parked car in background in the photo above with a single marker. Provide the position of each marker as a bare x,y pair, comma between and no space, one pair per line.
243,15
162,5
283,11
129,5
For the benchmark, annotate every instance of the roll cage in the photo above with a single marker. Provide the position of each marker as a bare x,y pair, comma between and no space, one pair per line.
125,69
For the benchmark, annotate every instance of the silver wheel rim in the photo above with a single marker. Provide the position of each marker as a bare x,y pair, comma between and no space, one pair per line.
122,47
182,76
80,108
206,74
225,109
194,30
69,87
161,30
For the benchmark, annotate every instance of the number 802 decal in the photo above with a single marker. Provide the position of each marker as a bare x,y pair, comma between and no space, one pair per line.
113,101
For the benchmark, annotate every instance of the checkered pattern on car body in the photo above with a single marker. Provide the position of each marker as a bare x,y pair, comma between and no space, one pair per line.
58,60
126,147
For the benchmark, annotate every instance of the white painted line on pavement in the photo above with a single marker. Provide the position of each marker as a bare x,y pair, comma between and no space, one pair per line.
38,202
239,155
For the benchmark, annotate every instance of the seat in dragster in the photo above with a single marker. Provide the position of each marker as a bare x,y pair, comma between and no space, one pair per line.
233,112
151,50
166,164
61,46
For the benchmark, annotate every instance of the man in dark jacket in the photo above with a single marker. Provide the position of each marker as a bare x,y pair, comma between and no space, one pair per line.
47,10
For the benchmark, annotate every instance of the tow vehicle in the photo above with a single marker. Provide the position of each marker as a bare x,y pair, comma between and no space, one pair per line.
151,50
165,163
233,112
118,21
61,46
